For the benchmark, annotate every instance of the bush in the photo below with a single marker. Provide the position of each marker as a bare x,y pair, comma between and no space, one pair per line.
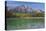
39,15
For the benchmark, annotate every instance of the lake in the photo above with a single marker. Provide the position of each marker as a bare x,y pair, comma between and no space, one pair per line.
23,23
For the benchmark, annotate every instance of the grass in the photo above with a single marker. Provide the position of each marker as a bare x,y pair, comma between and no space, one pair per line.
23,14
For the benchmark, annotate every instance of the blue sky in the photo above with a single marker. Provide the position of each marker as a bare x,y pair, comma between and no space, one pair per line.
34,5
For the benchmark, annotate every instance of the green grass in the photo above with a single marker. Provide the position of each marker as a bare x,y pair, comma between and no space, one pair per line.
23,14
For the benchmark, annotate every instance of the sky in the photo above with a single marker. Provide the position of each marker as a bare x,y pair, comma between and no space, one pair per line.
34,5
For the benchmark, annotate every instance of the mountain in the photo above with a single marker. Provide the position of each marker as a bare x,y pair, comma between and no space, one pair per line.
25,9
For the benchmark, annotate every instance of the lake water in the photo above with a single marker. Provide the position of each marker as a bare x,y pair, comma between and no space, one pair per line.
19,23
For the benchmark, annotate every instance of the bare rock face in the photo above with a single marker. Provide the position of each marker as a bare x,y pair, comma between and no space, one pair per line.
26,9
23,9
